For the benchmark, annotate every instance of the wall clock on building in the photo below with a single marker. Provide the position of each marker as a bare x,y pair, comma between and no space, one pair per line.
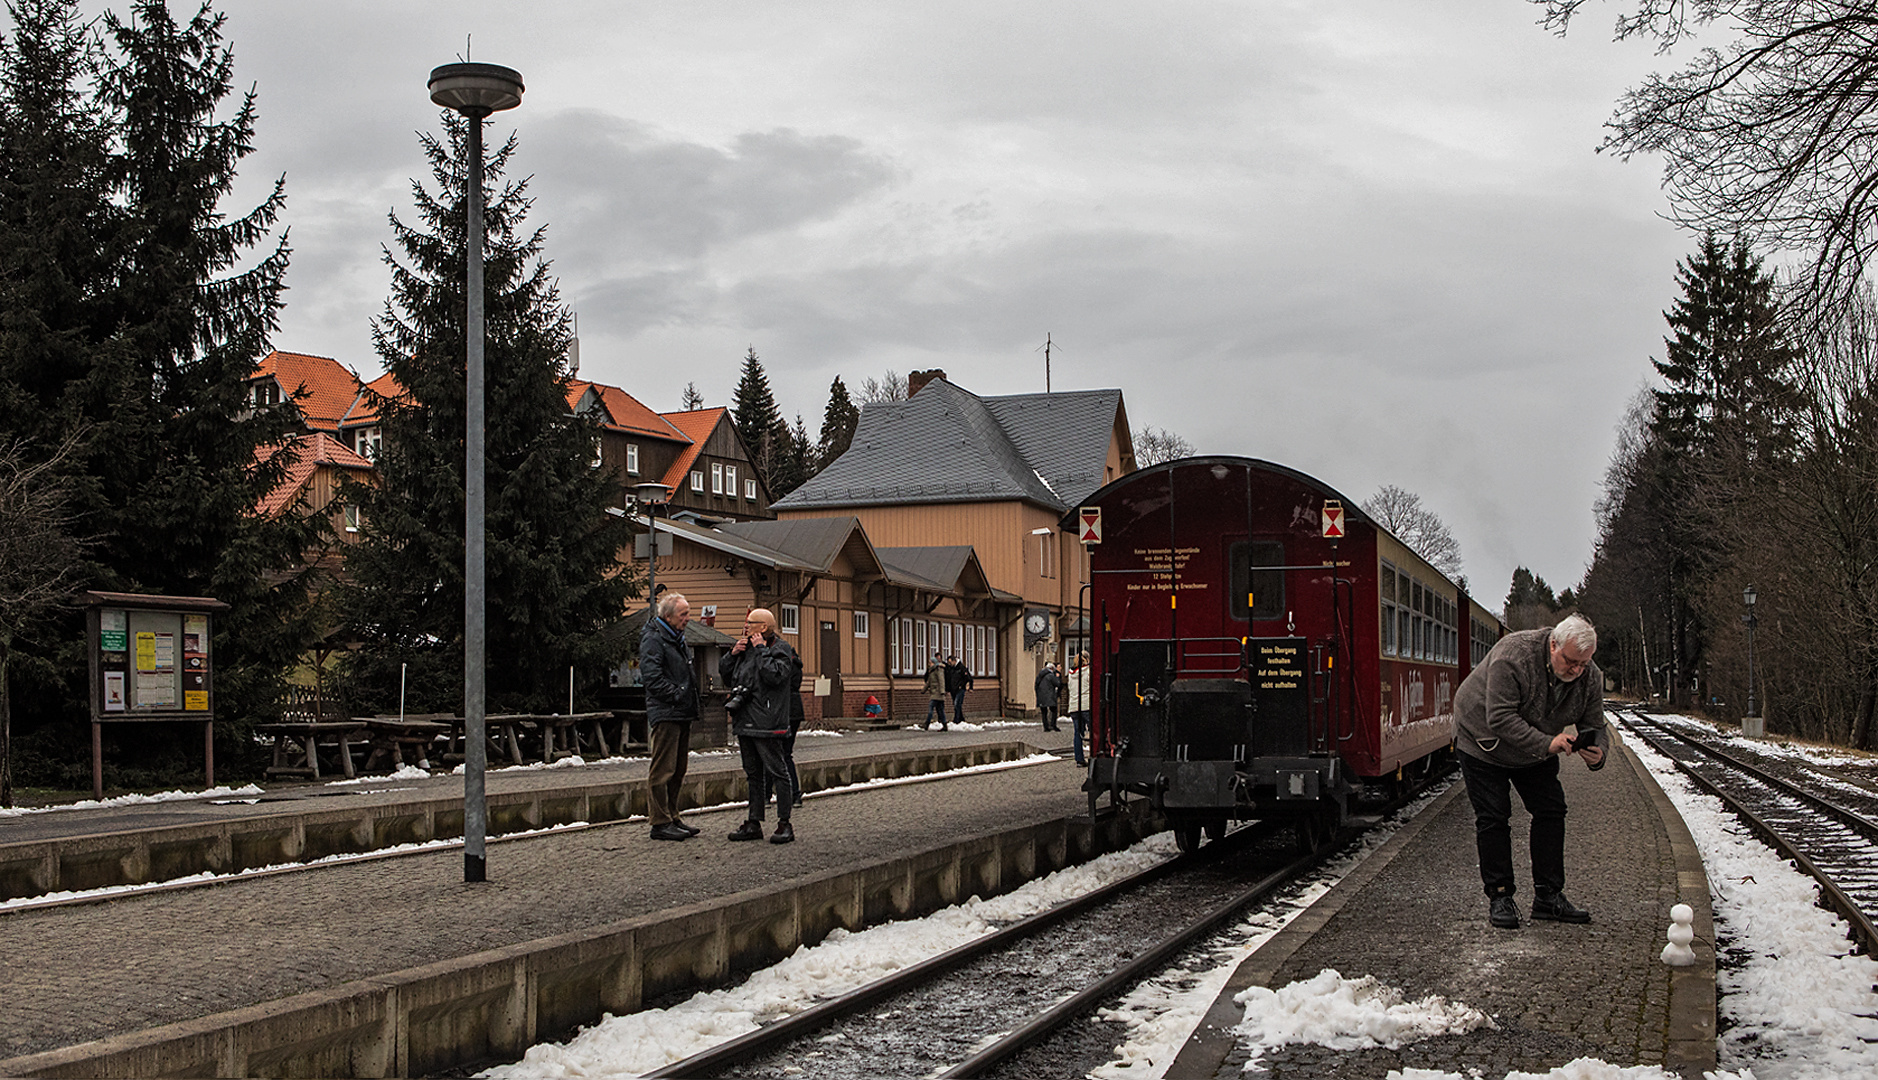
1036,622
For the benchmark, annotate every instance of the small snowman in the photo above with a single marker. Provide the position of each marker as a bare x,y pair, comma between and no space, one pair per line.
1681,932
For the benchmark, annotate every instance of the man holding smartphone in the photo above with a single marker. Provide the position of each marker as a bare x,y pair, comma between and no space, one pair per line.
1510,716
764,667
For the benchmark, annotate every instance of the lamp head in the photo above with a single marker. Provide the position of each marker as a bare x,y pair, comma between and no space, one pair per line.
1747,596
476,90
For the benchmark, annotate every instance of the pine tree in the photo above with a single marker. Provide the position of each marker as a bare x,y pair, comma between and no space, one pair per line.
754,410
690,400
839,420
795,458
552,578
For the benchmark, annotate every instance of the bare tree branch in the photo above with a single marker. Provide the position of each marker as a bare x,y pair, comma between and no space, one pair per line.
1155,445
1402,513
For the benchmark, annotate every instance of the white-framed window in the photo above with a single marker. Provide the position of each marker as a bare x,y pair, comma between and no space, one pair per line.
266,392
632,459
717,478
920,652
367,442
971,650
354,518
730,480
945,641
860,624
991,652
932,638
697,480
893,646
1046,554
790,618
906,646
749,489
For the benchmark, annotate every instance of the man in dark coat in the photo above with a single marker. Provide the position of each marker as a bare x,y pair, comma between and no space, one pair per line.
1510,716
764,667
958,680
1049,684
671,705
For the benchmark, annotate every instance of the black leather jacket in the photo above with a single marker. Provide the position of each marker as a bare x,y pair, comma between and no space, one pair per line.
769,671
665,669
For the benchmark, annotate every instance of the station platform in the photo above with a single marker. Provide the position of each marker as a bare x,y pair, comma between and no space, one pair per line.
396,966
1414,917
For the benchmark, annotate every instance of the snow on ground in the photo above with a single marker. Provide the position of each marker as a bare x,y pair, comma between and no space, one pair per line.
621,1046
134,800
1796,1002
1162,1012
974,725
1772,747
1347,1014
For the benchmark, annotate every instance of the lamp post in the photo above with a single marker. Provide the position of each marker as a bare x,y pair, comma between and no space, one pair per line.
475,90
649,495
1751,724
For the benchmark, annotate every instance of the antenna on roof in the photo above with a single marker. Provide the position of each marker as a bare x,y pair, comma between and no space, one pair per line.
1045,350
573,348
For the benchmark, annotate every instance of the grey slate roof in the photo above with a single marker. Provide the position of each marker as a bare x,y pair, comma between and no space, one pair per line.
950,445
934,567
812,541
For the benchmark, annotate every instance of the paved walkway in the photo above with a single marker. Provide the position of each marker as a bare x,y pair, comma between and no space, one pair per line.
1415,918
74,974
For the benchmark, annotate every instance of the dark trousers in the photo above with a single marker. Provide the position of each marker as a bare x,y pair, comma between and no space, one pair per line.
936,705
1048,709
1488,788
766,769
1080,721
958,707
671,751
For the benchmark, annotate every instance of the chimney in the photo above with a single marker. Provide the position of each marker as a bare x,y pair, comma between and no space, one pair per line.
917,381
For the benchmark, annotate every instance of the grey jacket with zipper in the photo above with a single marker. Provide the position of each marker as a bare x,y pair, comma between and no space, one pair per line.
1509,708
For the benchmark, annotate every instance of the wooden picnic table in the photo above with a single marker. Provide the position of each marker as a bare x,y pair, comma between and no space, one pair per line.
395,738
297,743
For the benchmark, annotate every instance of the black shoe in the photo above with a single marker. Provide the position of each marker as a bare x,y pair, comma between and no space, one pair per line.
690,830
945,727
749,830
785,832
1503,913
669,831
1555,908
922,727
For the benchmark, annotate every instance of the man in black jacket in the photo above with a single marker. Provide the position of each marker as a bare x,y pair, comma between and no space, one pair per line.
764,668
958,680
671,706
1049,684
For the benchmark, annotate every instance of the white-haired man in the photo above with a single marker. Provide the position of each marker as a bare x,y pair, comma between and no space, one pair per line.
1510,716
671,706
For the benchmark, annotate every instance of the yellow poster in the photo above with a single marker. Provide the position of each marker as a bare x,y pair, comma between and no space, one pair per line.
195,700
146,651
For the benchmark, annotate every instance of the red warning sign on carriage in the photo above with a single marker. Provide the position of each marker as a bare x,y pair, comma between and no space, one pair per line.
1091,531
1333,519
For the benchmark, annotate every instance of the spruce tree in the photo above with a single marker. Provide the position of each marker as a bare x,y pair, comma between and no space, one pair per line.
754,410
690,400
553,575
839,419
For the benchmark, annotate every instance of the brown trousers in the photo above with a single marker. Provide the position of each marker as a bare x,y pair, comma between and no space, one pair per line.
671,751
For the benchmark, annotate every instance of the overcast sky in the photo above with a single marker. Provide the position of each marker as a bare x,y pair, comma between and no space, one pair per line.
1364,238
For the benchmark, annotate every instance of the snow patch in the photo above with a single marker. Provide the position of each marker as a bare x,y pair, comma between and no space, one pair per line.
135,800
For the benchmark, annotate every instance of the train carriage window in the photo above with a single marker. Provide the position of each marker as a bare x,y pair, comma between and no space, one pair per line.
1385,586
1266,587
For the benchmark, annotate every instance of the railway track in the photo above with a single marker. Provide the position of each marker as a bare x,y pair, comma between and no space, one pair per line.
1837,845
936,1018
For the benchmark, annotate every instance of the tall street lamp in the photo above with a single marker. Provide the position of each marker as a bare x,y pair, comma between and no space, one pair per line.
649,495
1751,724
475,90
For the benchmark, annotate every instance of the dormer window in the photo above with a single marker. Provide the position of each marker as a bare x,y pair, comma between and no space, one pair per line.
266,393
367,442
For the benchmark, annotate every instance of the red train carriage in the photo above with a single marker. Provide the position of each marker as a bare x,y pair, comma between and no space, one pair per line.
1262,648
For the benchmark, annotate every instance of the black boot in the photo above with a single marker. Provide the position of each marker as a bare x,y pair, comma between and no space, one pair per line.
785,832
1503,913
749,830
1554,907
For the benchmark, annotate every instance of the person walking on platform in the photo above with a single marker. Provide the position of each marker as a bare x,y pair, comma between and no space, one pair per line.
1049,683
761,669
935,693
671,705
1079,705
796,716
1510,716
958,680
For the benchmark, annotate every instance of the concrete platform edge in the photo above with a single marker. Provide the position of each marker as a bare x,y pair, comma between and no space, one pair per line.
137,857
1692,1005
498,1003
1212,1039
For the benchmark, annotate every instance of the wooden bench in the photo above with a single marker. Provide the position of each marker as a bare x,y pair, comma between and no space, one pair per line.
297,745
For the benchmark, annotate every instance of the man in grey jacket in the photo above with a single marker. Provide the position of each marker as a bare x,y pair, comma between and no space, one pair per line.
671,706
1510,716
766,669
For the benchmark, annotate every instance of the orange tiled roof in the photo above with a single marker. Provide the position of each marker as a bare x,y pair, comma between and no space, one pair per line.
314,450
330,386
695,427
363,411
627,412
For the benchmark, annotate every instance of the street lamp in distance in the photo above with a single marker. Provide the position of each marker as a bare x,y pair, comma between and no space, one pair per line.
1752,725
475,90
649,496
